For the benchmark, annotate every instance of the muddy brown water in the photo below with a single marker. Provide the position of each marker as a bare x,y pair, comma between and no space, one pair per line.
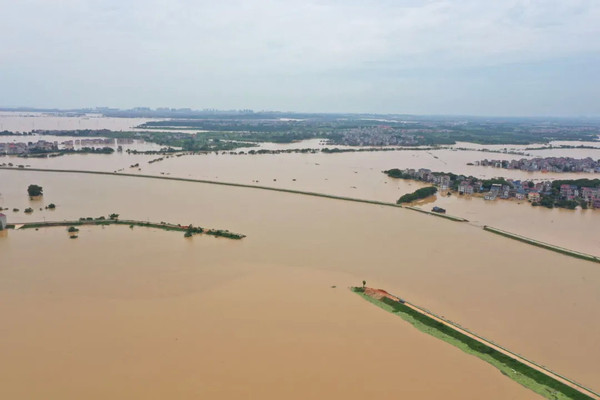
30,121
132,313
359,175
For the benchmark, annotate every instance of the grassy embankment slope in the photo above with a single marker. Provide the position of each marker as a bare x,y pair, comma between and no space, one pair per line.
523,374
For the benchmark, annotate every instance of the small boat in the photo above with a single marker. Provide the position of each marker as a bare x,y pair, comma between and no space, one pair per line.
438,210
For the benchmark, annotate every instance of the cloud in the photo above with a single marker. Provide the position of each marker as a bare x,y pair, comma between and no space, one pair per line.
191,47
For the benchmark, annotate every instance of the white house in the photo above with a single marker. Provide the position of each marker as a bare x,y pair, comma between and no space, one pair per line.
2,222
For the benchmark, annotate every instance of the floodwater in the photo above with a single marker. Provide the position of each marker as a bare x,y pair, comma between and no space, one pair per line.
162,317
360,175
573,229
158,316
29,121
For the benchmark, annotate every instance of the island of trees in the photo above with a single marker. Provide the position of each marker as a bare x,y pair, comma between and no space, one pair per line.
417,195
113,219
35,190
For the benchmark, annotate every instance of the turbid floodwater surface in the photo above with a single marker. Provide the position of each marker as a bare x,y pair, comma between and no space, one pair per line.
360,175
141,313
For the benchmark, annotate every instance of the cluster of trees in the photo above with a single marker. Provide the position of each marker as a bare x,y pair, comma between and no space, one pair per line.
427,131
93,150
398,174
225,233
593,183
487,183
35,190
225,131
101,218
9,133
191,230
417,194
553,199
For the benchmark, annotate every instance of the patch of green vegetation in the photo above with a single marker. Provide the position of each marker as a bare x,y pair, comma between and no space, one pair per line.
517,371
418,194
225,233
353,129
35,190
226,132
487,183
191,230
188,230
593,183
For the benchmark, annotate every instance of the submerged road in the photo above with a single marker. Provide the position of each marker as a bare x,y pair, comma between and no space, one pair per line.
530,241
241,185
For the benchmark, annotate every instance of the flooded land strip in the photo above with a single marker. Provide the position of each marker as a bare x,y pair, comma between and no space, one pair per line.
187,229
524,239
526,372
241,185
544,245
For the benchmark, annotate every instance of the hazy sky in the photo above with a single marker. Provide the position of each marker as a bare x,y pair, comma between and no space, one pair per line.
478,57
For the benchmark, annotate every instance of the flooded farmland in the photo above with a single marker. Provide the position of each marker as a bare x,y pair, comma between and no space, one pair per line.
30,121
360,175
159,316
197,314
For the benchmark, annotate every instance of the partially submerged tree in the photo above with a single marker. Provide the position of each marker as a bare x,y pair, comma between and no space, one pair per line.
35,190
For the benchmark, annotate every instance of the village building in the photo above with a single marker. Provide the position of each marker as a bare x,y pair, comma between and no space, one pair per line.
2,222
533,196
423,174
512,189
